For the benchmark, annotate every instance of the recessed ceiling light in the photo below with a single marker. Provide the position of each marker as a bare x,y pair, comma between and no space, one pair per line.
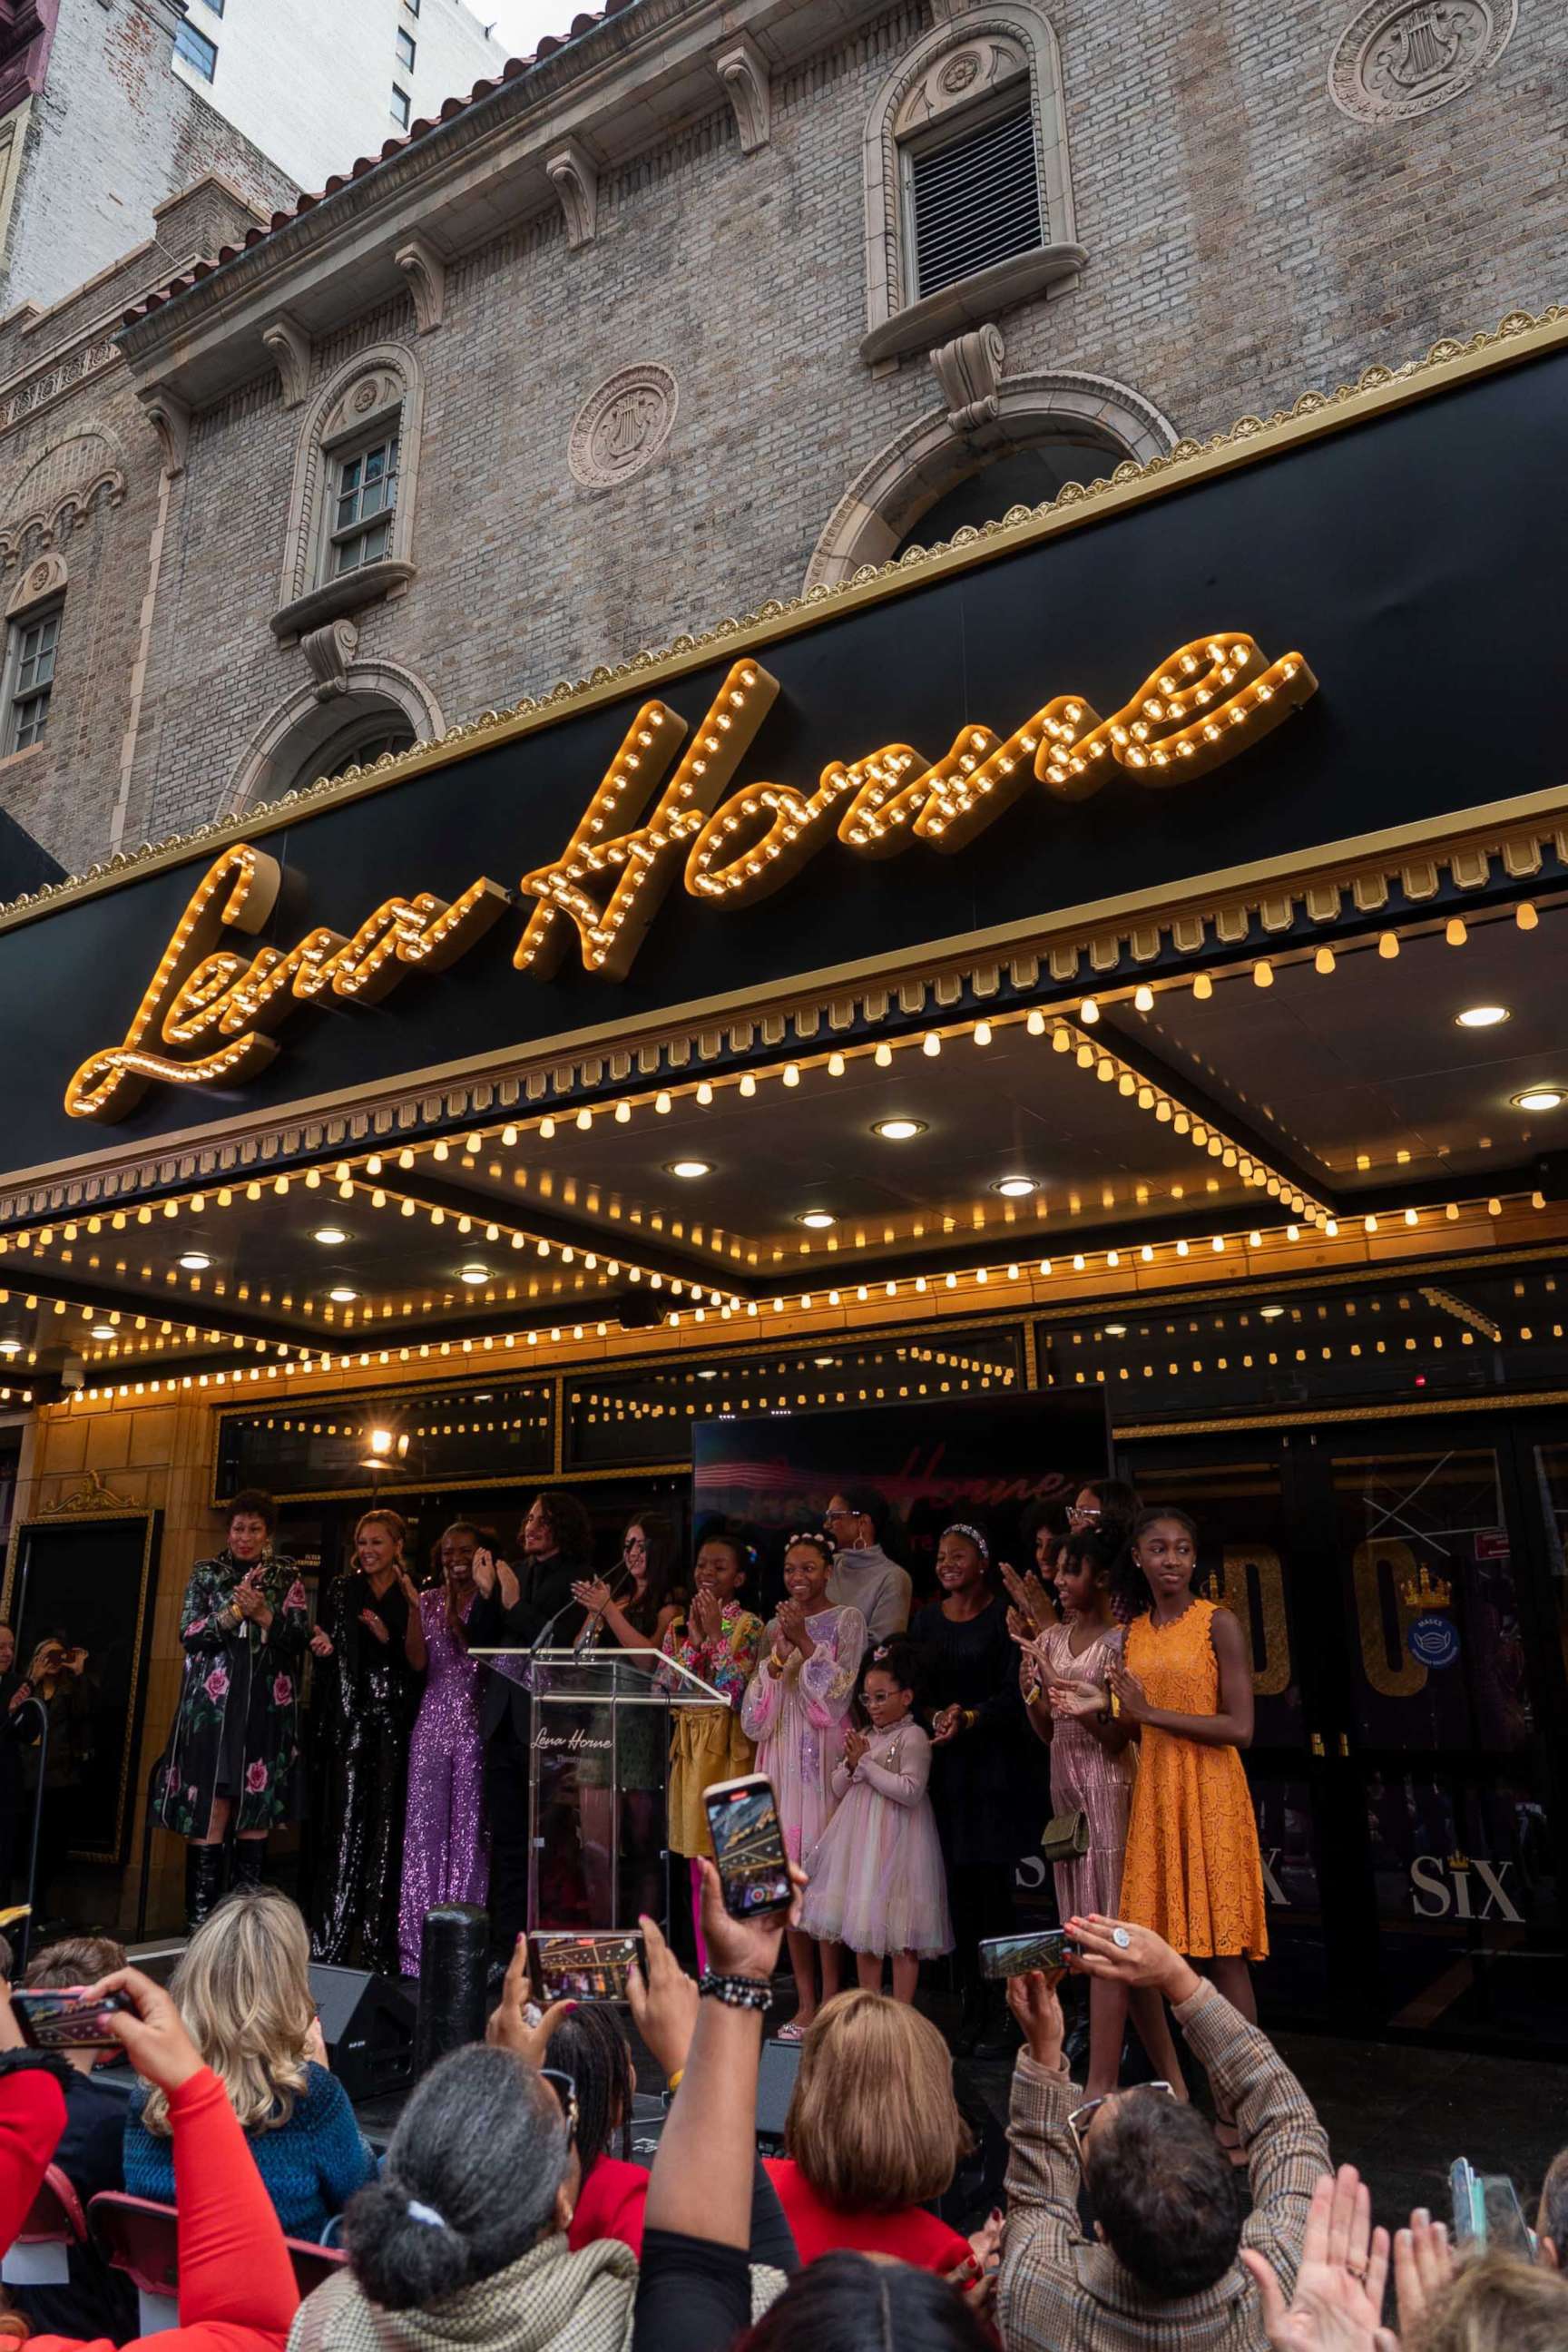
824,1362
10,1347
706,1372
1114,1330
1015,1187
1540,1099
899,1130
1270,1314
818,1219
104,1331
1480,1016
342,1295
473,1274
195,1260
328,1235
689,1168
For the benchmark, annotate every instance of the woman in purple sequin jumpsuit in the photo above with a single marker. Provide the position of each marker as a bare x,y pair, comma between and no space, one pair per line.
445,1857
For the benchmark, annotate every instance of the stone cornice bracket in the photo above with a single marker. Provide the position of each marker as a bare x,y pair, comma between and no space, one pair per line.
744,70
328,652
575,177
170,418
942,12
969,371
425,271
290,348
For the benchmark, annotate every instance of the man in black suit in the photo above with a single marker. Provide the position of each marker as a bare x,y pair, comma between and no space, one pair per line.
512,1609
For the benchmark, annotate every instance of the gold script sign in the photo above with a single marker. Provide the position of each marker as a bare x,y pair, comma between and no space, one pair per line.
207,1013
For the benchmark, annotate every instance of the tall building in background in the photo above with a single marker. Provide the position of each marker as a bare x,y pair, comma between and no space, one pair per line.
316,87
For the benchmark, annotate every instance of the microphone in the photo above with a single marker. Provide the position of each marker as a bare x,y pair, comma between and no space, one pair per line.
567,1608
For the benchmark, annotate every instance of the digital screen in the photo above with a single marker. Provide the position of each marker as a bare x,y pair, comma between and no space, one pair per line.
748,1847
585,1967
63,2020
1015,1956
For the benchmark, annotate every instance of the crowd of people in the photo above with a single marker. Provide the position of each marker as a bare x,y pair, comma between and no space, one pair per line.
916,1750
506,2216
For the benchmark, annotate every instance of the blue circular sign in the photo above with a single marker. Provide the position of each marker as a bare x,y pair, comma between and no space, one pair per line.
1434,1641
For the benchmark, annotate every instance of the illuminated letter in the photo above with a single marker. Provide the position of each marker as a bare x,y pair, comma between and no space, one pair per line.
1181,719
238,889
610,933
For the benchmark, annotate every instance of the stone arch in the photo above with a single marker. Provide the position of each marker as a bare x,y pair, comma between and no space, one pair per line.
372,386
924,461
1001,43
65,481
310,727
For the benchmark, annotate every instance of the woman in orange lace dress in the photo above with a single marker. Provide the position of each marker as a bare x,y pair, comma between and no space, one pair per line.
1192,1870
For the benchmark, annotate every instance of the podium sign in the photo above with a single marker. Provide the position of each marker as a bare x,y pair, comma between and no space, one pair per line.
598,1780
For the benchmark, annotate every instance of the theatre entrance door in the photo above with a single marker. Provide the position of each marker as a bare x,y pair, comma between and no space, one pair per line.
1401,1582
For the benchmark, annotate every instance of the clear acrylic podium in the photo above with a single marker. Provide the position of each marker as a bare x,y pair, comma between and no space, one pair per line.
598,1780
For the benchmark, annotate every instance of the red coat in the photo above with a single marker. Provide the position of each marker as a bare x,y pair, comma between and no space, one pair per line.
910,2235
610,2205
237,2284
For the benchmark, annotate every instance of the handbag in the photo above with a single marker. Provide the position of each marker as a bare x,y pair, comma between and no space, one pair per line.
1066,1836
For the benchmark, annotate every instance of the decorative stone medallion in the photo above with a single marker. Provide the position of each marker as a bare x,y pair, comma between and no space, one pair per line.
959,72
621,428
1402,58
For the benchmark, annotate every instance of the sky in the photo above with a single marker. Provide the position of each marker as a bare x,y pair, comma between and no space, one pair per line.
519,23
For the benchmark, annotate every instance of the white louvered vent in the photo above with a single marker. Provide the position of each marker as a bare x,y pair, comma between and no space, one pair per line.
976,199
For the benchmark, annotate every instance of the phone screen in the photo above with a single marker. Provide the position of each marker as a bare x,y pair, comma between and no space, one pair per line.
749,1848
584,1966
65,2019
1015,1956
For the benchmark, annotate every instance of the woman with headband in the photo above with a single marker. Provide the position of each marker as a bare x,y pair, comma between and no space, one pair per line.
979,1759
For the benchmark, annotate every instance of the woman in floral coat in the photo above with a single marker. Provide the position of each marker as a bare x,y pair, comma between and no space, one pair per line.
233,1755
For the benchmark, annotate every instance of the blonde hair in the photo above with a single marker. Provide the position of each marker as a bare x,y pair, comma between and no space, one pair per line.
1497,2303
243,1987
873,2123
394,1523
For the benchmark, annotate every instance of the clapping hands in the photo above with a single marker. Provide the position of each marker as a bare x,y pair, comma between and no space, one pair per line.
1338,2303
855,1745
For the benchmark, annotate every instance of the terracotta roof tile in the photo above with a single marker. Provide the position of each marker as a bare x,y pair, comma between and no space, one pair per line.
585,22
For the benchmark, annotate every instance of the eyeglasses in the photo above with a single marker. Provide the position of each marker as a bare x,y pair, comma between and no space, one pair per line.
1083,1510
1079,2120
565,2090
829,1516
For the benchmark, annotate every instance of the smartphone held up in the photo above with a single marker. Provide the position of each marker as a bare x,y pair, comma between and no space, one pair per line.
748,1847
66,2018
586,1964
1016,1956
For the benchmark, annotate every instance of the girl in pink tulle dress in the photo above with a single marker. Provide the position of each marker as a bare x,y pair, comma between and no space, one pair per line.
795,1708
879,1886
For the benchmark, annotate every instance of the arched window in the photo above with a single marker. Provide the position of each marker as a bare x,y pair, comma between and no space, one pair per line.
379,707
968,196
1019,441
351,513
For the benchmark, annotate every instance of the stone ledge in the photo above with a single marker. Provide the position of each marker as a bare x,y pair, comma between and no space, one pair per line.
972,301
344,595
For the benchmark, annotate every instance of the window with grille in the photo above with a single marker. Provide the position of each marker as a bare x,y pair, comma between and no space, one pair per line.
33,645
973,199
197,49
364,494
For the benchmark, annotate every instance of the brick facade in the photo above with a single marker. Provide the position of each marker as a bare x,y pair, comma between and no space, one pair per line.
1244,239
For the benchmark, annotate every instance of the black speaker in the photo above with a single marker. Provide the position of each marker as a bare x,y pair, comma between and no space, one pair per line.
367,2024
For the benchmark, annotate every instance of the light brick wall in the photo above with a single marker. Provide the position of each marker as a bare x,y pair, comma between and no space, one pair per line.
1245,240
110,136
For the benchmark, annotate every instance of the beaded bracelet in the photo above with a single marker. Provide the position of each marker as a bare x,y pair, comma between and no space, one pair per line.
736,1992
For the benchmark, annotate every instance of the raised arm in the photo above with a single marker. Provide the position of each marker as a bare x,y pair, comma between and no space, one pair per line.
206,1624
287,1629
763,1702
827,1678
1042,2233
415,1648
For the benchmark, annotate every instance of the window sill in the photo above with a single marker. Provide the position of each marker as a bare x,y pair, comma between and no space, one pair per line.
366,587
28,752
971,301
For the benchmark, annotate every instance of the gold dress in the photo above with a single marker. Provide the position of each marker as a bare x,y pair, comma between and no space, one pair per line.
708,1744
1193,1872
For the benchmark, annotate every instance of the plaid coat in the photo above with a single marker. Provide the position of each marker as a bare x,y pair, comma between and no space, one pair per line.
1059,2289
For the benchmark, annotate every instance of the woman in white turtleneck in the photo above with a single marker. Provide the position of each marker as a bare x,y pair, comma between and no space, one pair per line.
863,1577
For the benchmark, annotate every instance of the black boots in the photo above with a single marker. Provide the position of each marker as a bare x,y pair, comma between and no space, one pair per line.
203,1881
249,1854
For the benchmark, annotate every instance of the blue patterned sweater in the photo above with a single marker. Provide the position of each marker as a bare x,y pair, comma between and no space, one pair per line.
311,2165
